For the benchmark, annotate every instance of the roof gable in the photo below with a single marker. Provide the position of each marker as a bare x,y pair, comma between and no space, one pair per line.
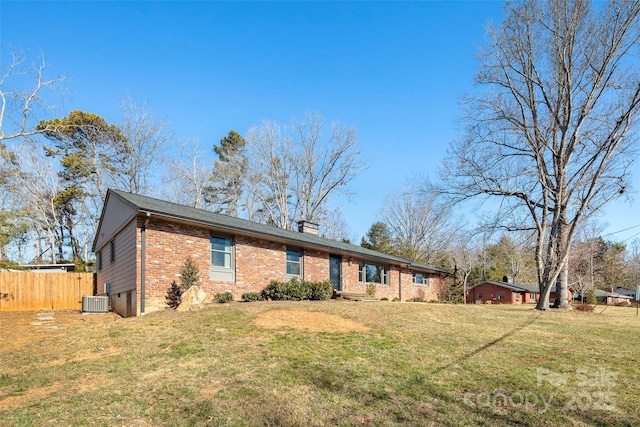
116,213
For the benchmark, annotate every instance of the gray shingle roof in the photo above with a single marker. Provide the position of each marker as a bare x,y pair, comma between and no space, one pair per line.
232,224
513,286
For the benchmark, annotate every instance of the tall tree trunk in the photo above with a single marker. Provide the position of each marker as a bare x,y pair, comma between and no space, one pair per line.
562,289
562,248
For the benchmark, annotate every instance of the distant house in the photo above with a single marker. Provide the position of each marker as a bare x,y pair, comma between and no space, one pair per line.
505,292
619,296
626,292
50,268
141,244
501,293
610,298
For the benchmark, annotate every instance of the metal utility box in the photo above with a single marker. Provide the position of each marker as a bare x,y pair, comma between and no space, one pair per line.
95,304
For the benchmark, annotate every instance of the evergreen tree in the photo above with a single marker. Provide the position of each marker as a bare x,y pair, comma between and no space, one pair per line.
378,238
174,294
228,174
189,274
88,147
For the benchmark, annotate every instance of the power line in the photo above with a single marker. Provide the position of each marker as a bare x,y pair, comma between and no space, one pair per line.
620,231
631,237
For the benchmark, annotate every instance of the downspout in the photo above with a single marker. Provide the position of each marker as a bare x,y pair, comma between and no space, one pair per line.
143,257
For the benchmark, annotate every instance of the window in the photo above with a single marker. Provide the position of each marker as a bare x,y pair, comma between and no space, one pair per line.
480,295
500,295
373,273
99,260
221,252
421,279
222,259
112,251
294,262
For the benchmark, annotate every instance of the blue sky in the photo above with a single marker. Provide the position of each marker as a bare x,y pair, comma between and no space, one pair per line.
394,70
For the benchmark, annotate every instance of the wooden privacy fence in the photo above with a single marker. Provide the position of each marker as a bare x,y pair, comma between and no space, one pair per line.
38,291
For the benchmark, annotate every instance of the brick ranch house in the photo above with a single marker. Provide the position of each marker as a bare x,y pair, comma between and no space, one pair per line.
505,292
141,243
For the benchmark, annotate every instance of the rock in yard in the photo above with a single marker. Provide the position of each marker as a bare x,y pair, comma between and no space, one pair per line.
192,299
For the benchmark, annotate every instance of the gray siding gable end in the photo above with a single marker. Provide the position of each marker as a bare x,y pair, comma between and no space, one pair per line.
116,214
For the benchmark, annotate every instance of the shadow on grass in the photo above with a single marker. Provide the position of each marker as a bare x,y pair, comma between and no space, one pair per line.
486,346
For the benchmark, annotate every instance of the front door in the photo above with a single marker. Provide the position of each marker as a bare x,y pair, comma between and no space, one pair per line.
335,271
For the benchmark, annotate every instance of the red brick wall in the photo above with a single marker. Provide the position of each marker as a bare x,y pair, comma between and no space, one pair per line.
490,293
350,275
427,292
257,262
168,246
315,265
400,282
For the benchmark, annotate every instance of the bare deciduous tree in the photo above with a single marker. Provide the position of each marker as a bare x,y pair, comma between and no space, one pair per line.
323,164
24,87
271,161
553,134
300,167
335,227
465,256
189,178
18,104
421,226
40,185
141,157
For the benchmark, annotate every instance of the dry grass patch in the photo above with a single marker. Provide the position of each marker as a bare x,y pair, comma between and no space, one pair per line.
313,321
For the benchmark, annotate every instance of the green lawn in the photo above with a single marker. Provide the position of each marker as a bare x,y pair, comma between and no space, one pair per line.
420,364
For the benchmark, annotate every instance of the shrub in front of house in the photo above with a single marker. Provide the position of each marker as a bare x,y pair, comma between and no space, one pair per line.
297,290
583,306
291,290
173,295
371,289
252,296
320,291
224,297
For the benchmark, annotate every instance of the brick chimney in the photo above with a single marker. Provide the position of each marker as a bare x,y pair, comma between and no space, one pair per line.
307,227
507,279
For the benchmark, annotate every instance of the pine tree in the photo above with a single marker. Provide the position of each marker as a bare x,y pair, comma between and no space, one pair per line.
173,295
228,174
189,274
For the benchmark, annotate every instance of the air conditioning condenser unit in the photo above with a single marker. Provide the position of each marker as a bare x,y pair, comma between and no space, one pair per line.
95,304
